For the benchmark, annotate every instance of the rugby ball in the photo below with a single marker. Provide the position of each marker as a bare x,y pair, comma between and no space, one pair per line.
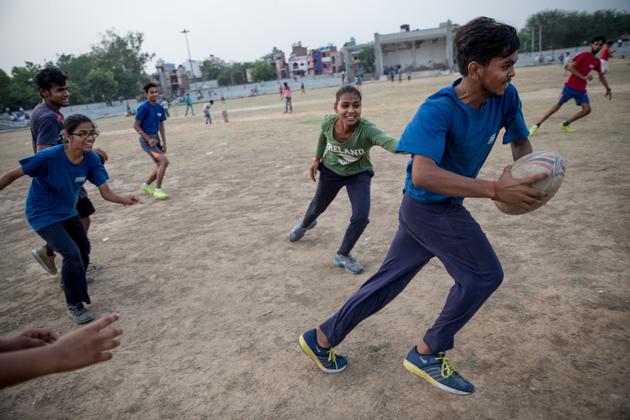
549,163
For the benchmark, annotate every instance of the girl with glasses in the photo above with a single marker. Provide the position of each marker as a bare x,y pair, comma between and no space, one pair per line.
58,174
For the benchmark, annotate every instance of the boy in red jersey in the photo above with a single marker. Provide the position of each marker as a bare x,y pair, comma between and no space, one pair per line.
575,86
605,56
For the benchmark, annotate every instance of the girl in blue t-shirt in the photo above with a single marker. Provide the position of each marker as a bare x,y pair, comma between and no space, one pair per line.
57,174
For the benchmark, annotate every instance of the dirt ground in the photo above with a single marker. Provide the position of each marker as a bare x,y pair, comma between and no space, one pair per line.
213,296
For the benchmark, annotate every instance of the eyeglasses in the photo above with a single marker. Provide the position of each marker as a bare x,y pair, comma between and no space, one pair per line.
85,134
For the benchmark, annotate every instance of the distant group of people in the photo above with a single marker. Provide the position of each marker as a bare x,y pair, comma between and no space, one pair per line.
19,115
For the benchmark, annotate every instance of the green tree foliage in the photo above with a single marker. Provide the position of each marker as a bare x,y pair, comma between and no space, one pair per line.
102,84
210,70
22,91
113,68
263,71
564,29
5,86
366,58
233,74
123,56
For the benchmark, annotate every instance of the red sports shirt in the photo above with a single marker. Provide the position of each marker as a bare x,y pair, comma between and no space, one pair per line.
584,63
605,54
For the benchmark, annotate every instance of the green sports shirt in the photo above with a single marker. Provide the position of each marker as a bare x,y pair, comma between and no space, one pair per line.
353,155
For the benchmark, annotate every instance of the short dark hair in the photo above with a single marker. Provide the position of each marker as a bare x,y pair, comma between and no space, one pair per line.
149,86
71,122
49,76
483,39
347,89
599,38
610,42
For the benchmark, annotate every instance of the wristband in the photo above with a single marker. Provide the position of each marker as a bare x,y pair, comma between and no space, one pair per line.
494,190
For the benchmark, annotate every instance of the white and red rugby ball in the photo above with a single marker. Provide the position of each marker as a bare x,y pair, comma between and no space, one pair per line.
549,163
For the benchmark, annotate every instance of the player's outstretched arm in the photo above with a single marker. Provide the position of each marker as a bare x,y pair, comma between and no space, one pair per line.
109,195
604,82
8,177
77,349
35,337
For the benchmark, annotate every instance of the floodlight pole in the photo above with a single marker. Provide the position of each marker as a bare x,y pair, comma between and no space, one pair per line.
185,32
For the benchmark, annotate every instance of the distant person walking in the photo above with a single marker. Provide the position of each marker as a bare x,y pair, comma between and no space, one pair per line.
206,111
302,88
189,105
575,86
164,103
605,55
286,94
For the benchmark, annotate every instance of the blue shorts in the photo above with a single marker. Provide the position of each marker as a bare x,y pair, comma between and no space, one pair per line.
154,151
569,93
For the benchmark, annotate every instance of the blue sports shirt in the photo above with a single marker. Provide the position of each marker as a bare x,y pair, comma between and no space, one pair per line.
54,189
150,117
458,137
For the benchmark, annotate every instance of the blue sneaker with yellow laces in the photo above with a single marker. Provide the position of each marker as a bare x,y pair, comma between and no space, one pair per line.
325,359
437,370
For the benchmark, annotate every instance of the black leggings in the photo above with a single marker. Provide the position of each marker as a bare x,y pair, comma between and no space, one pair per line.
358,187
69,239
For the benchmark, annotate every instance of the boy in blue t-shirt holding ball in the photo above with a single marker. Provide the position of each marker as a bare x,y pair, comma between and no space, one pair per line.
449,139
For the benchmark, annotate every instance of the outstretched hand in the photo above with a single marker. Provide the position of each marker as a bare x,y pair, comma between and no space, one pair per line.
35,337
87,345
130,200
519,191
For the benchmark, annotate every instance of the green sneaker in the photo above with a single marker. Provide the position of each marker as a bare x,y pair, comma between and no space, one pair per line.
567,128
533,130
147,188
159,194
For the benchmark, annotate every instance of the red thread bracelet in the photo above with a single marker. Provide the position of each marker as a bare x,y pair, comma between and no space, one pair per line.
494,190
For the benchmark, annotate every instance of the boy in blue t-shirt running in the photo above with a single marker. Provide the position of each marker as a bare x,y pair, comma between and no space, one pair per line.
449,139
150,117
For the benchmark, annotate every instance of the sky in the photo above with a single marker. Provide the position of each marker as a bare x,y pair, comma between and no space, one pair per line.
238,30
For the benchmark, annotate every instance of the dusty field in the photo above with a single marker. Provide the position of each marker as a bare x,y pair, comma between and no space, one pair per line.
213,296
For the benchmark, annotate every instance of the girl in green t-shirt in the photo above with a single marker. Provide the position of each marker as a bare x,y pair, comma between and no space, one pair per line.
343,160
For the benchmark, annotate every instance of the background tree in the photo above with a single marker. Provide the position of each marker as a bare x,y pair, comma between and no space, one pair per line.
22,91
366,59
564,29
233,74
5,86
123,56
263,71
102,85
210,70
